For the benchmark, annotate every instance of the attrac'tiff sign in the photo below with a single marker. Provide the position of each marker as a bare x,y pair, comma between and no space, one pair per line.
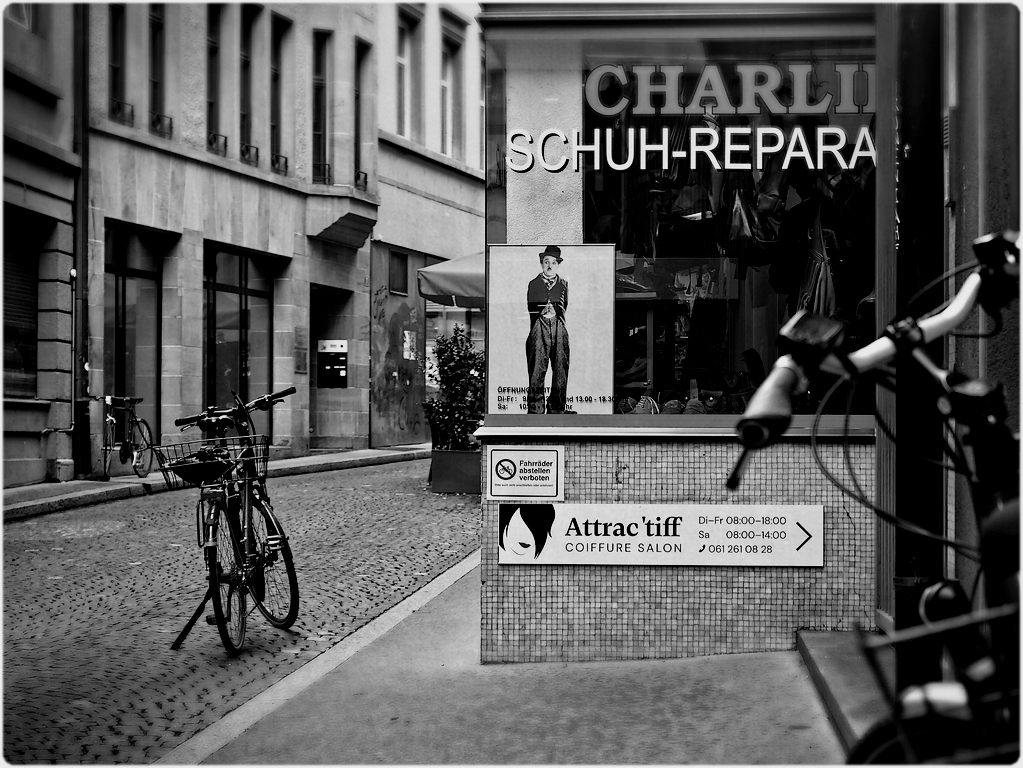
661,534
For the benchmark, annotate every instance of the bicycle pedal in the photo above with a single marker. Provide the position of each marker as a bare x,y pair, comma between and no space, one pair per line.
273,542
211,620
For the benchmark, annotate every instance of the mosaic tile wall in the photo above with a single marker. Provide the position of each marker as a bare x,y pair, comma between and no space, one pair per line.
591,613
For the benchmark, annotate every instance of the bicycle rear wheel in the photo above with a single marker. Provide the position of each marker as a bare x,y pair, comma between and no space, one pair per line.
276,595
227,595
141,448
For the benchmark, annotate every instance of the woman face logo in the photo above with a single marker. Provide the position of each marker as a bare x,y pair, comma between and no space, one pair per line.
518,539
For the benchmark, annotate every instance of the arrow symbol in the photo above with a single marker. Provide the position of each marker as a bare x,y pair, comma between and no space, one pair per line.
808,535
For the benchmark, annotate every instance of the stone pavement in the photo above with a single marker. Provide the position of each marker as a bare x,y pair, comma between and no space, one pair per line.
94,596
86,682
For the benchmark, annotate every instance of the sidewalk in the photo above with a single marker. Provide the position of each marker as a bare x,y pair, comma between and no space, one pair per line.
43,498
409,686
417,693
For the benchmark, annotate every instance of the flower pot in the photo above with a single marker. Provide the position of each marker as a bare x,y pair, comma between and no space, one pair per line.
455,471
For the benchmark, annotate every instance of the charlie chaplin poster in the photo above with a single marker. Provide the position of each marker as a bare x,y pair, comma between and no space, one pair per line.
550,328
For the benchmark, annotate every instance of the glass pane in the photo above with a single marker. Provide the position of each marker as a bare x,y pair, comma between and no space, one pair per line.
226,371
147,351
109,331
258,357
228,269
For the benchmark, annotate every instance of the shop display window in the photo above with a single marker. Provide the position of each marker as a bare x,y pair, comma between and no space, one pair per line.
731,181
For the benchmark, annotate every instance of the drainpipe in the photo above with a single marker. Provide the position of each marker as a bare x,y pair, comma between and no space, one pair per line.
79,210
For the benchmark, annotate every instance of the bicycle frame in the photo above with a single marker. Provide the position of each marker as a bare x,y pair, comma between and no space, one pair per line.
985,693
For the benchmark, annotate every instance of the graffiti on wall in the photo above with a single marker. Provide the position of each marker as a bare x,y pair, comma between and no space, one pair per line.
398,389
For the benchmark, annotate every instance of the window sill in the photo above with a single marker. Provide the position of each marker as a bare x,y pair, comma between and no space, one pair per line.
659,427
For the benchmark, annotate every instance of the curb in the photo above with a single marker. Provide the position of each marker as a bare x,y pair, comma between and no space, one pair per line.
105,492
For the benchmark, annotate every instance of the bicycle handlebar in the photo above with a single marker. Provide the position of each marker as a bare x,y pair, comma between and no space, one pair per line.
212,412
769,412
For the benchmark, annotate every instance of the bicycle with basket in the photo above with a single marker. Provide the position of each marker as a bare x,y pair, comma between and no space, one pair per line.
971,715
246,552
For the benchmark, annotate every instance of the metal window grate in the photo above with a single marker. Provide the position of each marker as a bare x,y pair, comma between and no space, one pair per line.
161,125
122,112
216,143
279,163
321,173
250,154
361,180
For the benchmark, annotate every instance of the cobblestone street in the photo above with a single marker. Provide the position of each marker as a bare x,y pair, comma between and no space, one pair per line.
94,597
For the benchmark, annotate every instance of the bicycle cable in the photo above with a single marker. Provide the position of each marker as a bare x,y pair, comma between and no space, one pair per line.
888,517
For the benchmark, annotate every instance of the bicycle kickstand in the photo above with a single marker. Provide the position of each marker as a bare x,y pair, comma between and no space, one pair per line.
191,622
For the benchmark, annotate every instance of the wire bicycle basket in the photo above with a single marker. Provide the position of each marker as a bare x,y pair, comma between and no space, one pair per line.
199,462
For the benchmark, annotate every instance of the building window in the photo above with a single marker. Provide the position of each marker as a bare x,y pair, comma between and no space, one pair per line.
483,112
22,246
403,90
23,14
238,315
446,98
213,13
361,54
159,123
452,99
408,77
249,153
131,320
278,26
398,273
118,109
321,168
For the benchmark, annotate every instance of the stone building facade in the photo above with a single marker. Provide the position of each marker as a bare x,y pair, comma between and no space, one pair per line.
231,174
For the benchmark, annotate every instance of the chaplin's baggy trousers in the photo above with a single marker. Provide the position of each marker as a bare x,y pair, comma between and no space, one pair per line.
547,344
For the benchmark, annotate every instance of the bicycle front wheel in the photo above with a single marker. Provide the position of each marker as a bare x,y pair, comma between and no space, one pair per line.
108,446
276,592
141,448
226,585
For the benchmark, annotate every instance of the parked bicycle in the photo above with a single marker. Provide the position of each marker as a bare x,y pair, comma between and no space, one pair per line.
137,443
245,549
974,716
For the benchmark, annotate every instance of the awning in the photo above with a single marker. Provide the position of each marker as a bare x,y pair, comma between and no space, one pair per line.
456,283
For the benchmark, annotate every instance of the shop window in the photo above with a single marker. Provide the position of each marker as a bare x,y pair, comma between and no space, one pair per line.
732,182
238,317
398,273
131,319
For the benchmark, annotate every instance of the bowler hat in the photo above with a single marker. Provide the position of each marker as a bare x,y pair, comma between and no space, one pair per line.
552,250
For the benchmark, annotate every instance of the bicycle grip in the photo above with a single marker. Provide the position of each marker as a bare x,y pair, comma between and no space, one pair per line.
283,393
186,420
769,411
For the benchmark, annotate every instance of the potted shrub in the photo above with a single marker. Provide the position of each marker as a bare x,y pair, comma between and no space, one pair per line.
455,414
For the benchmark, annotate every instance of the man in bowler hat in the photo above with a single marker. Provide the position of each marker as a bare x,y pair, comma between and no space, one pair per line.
547,343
